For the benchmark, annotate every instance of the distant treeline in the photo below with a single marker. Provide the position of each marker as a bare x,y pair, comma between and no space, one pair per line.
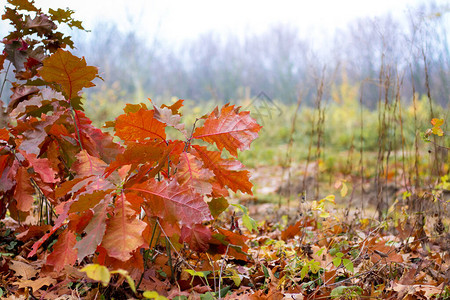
383,55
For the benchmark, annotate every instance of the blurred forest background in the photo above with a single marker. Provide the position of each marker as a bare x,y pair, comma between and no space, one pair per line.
279,62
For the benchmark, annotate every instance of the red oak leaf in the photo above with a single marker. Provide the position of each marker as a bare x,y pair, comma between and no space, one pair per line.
230,129
96,142
124,231
88,200
87,165
41,23
190,172
140,126
21,93
168,117
24,190
197,237
69,71
227,171
173,202
63,251
136,154
41,166
95,231
58,223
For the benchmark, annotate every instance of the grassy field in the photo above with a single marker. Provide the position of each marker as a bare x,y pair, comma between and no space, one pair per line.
379,155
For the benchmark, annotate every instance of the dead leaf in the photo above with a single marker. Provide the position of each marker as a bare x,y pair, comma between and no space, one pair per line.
36,284
23,270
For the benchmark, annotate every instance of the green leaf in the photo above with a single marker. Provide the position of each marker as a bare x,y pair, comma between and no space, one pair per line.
348,264
249,223
217,206
203,274
304,271
207,296
337,262
338,292
266,272
223,292
314,266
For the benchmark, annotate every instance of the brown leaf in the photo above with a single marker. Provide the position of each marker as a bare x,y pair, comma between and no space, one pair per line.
41,23
20,94
37,283
24,270
71,72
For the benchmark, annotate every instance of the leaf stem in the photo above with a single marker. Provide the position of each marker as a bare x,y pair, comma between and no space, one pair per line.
4,80
72,111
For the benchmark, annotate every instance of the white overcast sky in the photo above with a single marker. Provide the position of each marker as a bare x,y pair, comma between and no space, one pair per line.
178,20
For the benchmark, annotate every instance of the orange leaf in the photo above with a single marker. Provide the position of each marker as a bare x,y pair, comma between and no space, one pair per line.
69,71
227,171
124,231
4,134
174,107
24,190
230,129
63,251
137,153
140,126
437,122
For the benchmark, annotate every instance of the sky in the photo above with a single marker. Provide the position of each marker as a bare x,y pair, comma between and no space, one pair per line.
179,20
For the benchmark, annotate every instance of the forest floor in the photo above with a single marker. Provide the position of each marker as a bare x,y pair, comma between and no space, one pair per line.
309,248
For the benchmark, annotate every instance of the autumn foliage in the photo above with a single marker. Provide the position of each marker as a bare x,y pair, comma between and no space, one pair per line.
103,196
133,210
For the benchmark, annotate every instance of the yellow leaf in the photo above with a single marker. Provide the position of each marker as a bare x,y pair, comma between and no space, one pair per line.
153,295
125,274
324,214
437,131
98,273
329,198
344,189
